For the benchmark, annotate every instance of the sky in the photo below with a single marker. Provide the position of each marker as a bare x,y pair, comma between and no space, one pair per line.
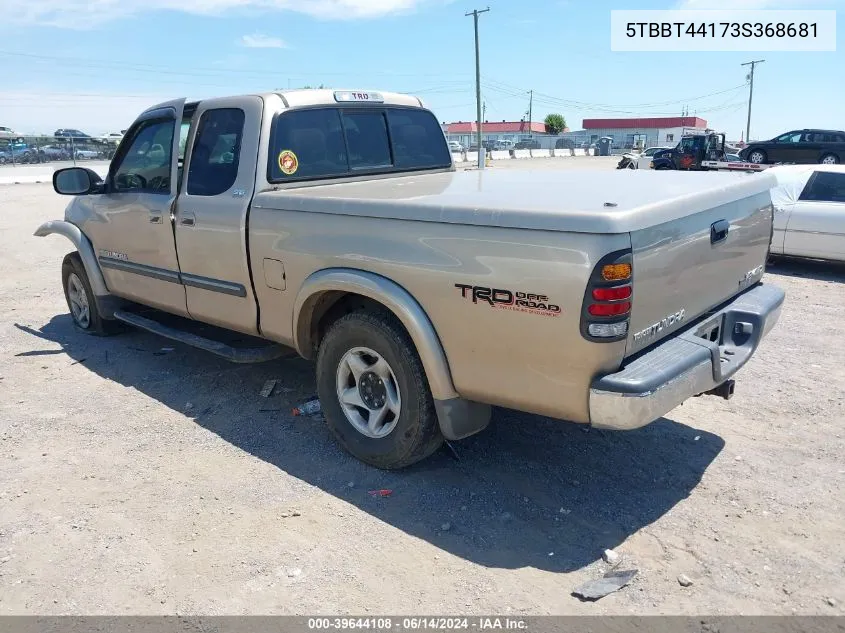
94,65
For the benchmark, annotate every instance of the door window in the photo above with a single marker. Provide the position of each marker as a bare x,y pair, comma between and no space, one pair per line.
790,137
825,186
216,153
145,167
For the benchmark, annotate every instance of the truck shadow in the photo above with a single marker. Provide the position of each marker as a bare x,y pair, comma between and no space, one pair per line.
809,269
527,492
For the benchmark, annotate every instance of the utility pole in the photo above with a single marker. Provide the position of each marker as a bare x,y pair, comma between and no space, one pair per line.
750,95
530,112
474,15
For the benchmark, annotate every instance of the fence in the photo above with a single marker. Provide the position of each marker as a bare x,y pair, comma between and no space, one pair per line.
28,150
498,155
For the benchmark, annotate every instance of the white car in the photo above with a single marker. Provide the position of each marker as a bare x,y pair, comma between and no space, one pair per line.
7,132
643,159
454,146
809,203
87,153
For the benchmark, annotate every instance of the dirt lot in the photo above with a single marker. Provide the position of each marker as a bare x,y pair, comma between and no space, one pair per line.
136,480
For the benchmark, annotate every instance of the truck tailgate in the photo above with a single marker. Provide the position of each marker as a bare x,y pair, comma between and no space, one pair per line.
687,266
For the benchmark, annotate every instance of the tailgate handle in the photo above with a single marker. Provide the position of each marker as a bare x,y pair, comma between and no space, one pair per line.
719,231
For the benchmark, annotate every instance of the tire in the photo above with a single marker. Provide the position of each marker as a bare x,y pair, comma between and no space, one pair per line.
632,165
757,156
829,159
406,438
79,296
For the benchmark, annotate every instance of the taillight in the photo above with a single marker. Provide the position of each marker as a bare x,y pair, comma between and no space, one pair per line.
607,301
609,309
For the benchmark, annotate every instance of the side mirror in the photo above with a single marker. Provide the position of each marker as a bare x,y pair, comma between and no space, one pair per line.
76,181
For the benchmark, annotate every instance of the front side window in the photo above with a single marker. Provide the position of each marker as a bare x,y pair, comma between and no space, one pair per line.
216,152
825,186
145,166
790,137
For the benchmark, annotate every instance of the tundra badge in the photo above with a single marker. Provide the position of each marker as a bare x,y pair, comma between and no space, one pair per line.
652,330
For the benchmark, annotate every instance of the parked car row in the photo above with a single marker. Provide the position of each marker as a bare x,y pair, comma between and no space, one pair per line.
21,153
505,145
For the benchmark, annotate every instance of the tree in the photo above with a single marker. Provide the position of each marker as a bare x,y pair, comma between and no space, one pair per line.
555,124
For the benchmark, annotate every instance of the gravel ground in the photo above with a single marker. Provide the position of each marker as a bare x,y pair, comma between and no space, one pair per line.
137,479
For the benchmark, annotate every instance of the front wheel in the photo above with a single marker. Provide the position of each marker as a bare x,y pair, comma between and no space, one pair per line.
758,156
829,159
80,299
374,392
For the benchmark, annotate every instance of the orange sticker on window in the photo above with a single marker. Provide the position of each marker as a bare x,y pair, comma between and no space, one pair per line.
288,162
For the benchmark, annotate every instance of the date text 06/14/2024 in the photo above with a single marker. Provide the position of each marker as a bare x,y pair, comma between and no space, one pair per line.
492,623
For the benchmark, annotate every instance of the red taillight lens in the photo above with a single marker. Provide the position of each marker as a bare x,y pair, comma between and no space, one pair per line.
611,294
609,309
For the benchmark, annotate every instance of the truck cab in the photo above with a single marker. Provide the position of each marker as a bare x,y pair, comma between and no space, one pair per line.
690,152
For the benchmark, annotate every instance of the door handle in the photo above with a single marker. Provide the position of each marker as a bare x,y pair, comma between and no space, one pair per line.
719,231
155,219
188,219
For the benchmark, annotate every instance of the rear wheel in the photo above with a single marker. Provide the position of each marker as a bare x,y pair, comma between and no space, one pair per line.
829,159
80,299
374,392
757,156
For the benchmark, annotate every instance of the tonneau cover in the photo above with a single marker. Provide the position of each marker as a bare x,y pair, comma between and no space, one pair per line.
617,201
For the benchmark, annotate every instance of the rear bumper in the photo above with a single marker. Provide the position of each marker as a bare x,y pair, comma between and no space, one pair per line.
702,357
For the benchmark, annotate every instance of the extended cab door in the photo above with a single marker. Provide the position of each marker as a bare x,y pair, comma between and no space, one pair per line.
211,212
130,224
816,224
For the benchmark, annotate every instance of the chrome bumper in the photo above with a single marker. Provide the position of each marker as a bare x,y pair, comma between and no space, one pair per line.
702,357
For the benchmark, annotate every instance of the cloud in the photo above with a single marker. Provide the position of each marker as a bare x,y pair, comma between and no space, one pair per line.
84,14
259,40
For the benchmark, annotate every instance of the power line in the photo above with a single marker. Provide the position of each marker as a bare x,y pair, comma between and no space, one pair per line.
518,91
199,71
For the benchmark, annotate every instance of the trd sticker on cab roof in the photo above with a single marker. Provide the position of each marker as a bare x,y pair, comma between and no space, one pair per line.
517,301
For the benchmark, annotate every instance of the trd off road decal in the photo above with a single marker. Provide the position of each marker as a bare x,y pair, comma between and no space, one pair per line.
510,300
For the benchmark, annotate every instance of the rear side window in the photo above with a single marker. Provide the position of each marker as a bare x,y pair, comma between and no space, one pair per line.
214,159
417,139
331,142
825,186
366,136
308,144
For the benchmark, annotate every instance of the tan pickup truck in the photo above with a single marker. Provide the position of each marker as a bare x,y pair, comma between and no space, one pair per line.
335,223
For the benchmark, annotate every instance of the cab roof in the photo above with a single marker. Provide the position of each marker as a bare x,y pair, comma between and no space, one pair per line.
314,97
310,97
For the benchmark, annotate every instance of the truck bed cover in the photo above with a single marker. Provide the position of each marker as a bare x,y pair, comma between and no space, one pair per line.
580,201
